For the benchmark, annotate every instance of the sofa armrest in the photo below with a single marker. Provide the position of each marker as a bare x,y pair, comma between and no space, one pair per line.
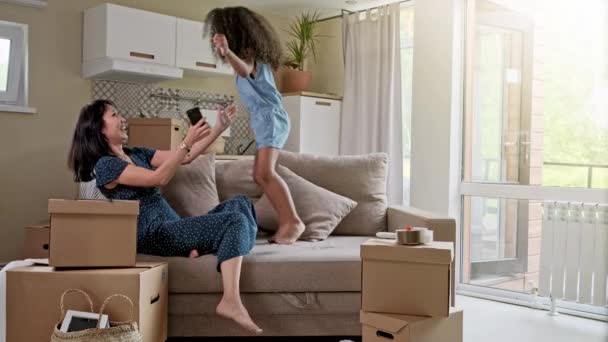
444,229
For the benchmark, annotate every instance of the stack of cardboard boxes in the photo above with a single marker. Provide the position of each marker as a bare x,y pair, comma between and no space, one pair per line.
406,293
91,246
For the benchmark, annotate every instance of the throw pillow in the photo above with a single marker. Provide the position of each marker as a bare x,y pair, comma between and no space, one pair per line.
236,178
192,191
361,178
320,210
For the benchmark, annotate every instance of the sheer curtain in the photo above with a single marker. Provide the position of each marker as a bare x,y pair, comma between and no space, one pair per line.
371,114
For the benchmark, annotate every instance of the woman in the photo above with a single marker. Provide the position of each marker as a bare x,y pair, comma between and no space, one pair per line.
227,231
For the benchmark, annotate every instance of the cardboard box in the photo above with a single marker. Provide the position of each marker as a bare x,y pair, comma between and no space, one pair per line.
36,242
33,295
406,280
88,233
157,133
401,328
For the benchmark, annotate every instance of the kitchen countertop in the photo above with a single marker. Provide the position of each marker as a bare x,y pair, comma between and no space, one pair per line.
307,93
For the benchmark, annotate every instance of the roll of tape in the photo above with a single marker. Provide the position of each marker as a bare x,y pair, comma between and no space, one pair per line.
409,237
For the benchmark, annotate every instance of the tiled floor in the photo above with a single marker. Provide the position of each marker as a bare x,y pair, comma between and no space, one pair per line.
486,320
513,323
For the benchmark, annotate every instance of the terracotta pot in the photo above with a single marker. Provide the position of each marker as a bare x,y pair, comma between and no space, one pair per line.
294,81
278,78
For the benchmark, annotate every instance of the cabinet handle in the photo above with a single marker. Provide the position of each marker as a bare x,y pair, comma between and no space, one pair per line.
323,103
206,65
141,55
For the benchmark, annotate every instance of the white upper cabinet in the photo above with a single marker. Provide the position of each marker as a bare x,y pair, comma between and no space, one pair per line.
127,44
194,52
123,32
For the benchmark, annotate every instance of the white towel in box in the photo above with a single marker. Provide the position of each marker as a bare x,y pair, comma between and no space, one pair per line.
11,265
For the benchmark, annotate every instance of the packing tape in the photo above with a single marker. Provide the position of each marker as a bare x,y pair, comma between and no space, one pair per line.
414,236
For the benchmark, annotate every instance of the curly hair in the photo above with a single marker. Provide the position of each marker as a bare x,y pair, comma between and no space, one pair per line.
248,34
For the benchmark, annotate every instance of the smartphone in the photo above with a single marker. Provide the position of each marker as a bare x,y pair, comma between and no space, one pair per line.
194,115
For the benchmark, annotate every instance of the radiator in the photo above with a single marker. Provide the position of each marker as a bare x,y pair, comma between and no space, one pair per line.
574,252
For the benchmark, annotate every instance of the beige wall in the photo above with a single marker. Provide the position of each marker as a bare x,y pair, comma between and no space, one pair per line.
328,71
33,147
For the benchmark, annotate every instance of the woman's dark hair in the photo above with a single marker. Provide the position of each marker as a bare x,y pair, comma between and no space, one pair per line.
247,32
88,144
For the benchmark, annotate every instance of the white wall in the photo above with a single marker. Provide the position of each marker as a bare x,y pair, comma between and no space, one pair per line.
437,108
437,105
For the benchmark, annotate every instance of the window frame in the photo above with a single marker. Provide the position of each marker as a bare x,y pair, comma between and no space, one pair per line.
16,92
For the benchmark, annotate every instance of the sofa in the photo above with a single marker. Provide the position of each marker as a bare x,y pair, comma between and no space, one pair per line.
310,288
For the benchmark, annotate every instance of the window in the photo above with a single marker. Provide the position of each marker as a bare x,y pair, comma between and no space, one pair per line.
535,126
13,66
5,48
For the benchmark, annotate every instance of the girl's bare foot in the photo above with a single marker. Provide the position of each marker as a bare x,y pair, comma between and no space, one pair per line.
236,311
193,254
288,233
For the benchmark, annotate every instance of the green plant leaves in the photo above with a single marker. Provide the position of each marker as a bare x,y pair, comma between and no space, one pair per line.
304,40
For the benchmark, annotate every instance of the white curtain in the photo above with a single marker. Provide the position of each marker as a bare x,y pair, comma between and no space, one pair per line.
371,114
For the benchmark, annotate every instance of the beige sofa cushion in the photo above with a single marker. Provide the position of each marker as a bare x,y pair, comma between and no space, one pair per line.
236,178
360,178
332,265
192,191
321,210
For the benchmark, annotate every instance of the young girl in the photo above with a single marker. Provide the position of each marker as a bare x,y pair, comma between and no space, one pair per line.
246,41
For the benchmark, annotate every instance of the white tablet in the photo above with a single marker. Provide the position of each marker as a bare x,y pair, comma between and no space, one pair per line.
79,320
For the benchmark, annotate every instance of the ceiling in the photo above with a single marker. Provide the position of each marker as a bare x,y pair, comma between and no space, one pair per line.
291,8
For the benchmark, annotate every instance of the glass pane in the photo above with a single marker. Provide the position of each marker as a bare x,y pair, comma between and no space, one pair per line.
493,151
572,92
566,175
5,49
498,255
407,53
538,84
493,233
600,178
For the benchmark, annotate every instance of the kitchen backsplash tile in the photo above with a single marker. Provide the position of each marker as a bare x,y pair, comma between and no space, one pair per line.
143,100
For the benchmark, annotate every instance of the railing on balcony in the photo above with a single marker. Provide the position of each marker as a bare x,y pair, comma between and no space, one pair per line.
588,183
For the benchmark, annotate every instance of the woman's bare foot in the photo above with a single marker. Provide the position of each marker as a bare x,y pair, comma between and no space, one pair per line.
288,233
237,312
193,254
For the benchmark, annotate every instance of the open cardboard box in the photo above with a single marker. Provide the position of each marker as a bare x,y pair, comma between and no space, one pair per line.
36,242
33,294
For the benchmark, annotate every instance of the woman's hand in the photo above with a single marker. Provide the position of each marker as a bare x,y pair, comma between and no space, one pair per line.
197,132
221,43
225,117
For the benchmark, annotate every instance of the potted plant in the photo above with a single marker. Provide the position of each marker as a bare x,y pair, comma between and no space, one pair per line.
302,45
